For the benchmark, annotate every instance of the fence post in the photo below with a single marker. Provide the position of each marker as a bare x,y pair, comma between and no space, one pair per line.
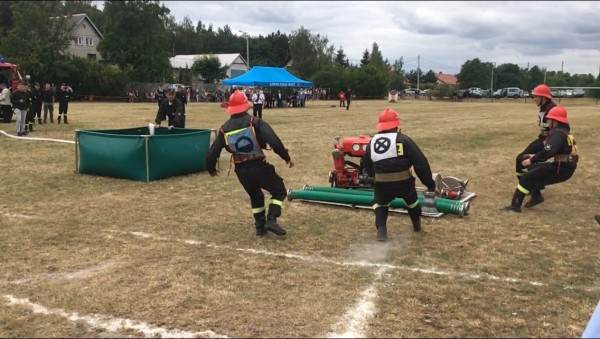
77,151
147,158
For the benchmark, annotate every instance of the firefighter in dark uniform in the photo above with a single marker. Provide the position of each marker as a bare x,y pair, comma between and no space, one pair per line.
63,95
172,109
245,137
389,157
542,97
160,96
181,96
36,105
558,145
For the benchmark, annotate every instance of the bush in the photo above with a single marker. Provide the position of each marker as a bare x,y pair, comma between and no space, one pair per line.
443,91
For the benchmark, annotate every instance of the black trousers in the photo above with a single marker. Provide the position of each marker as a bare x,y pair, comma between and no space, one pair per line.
257,176
385,192
37,110
6,113
342,103
257,110
542,174
347,104
534,147
178,122
63,108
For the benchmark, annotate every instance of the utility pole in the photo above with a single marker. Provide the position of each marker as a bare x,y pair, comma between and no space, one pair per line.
418,72
545,71
247,48
562,66
492,81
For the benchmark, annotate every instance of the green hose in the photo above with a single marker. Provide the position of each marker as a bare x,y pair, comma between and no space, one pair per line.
365,198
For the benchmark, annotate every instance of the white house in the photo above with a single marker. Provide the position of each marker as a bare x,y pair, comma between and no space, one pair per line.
85,37
235,63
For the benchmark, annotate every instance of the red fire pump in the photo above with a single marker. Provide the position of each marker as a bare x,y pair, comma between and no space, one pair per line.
348,173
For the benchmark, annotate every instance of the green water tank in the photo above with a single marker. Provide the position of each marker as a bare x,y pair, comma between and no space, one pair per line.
135,154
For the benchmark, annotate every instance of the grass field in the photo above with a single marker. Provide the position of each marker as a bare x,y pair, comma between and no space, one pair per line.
81,253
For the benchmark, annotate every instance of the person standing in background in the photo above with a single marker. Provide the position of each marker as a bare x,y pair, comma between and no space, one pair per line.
5,105
48,102
21,101
64,96
36,104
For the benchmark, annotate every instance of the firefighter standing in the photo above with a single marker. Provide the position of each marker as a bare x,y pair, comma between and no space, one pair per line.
560,145
48,96
389,157
245,137
36,105
20,101
63,96
542,96
172,109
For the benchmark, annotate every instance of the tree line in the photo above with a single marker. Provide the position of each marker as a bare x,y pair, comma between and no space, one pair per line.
140,36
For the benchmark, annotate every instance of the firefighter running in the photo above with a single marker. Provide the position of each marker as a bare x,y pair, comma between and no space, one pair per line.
389,157
245,137
558,145
542,96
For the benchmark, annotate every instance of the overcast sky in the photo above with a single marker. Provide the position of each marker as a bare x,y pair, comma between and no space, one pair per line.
444,34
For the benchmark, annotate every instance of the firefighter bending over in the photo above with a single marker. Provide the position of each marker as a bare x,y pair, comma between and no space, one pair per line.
542,96
389,157
245,137
558,145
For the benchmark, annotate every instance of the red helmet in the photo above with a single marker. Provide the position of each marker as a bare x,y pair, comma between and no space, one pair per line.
388,119
238,103
542,91
558,113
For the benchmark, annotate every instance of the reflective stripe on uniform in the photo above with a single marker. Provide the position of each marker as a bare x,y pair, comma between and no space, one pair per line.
522,189
276,202
258,210
414,204
376,206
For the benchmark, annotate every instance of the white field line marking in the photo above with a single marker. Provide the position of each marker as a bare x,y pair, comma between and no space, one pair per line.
37,139
16,215
111,324
355,319
83,273
434,271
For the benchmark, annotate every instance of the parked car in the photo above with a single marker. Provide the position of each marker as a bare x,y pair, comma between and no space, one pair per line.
512,92
474,92
498,93
578,93
485,93
411,91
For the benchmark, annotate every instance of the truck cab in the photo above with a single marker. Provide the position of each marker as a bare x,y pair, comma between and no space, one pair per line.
9,74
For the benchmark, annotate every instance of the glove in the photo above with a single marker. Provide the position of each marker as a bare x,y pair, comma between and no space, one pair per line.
170,127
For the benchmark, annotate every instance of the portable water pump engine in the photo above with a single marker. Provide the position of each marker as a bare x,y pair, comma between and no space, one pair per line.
346,173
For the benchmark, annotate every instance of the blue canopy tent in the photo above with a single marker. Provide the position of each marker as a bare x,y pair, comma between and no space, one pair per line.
267,77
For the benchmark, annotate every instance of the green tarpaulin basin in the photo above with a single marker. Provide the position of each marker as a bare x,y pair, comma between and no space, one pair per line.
134,154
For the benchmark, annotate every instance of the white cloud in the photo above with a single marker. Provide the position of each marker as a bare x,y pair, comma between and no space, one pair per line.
445,34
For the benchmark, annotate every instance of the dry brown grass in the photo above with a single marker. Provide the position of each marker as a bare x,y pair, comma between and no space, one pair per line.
77,223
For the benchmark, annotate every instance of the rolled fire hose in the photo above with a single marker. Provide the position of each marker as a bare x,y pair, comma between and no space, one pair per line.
365,198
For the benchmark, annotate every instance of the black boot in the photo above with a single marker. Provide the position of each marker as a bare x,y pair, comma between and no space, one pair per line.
39,121
260,221
273,226
382,233
597,217
59,119
31,127
381,214
66,121
517,201
536,198
415,217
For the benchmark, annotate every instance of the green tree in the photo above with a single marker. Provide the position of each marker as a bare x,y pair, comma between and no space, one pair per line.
210,69
508,75
376,58
6,17
364,61
37,38
136,38
535,76
309,52
429,77
340,58
474,73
